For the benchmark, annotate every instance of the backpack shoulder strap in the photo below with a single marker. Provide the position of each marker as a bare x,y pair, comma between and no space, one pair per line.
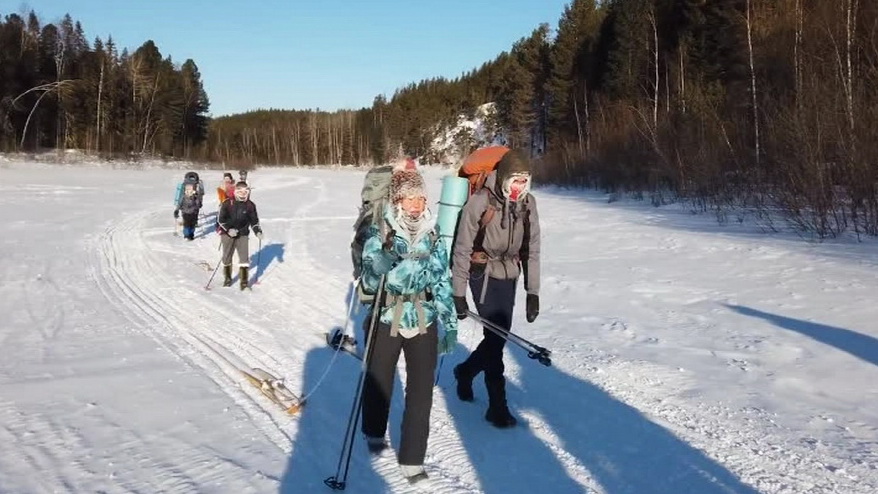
487,215
524,251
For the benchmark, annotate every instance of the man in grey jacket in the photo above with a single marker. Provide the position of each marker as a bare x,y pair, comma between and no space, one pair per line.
497,238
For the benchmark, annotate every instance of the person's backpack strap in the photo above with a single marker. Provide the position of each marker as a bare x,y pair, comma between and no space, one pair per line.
524,251
478,242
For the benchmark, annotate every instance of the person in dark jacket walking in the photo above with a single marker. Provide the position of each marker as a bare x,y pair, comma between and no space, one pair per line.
237,216
498,237
189,204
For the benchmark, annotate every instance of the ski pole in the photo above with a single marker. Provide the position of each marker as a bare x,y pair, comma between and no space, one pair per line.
536,352
207,286
357,405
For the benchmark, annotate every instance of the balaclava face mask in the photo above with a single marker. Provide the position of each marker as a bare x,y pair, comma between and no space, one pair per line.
514,166
516,186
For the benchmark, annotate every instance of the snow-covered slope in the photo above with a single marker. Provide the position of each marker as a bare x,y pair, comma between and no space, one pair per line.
453,143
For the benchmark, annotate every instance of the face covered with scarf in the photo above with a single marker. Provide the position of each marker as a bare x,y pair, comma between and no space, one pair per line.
410,199
516,186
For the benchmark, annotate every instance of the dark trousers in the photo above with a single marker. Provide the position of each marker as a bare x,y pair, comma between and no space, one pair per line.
488,356
420,364
190,221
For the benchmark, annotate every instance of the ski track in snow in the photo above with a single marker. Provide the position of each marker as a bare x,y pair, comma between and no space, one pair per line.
186,323
641,418
207,335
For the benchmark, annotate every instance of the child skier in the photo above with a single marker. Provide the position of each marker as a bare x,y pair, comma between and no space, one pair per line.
189,204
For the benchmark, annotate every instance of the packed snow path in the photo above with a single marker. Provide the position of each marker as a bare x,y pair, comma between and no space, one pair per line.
687,356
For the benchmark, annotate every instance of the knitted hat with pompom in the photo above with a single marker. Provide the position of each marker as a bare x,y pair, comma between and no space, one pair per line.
407,183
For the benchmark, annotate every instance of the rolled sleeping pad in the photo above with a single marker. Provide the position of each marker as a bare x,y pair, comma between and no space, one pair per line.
178,194
455,191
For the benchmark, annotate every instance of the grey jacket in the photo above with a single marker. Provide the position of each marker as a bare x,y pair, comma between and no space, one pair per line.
189,205
502,242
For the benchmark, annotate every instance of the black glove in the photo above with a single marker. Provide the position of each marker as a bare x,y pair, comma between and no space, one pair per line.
257,230
176,213
388,241
461,307
532,307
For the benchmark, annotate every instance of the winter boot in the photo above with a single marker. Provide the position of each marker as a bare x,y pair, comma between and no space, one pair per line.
464,384
245,277
498,413
227,274
376,445
413,473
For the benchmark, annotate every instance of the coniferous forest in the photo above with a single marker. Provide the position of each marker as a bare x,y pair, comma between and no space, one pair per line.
762,104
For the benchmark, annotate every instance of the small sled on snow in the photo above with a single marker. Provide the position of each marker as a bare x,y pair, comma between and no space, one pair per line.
274,389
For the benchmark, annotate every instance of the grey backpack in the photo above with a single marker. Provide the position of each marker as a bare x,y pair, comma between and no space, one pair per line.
374,197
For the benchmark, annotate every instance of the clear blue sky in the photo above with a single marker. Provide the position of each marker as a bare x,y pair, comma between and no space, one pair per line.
297,54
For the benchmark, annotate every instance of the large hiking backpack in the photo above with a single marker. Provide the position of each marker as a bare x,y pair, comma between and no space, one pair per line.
476,167
191,178
374,197
479,164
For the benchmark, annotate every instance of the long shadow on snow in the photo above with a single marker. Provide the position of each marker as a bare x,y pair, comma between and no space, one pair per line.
206,225
624,451
857,344
321,427
261,259
324,419
509,460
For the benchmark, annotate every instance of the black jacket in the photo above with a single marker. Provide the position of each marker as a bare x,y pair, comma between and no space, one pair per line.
240,215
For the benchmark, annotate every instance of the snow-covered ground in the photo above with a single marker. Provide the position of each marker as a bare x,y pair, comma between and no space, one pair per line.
687,357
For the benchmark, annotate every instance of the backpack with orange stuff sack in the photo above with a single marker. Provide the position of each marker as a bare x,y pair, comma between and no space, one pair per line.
476,168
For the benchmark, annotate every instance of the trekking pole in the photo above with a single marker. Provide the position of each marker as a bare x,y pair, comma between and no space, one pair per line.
207,286
348,445
534,351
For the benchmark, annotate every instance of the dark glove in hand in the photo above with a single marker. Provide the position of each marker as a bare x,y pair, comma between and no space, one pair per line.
532,309
176,213
461,307
257,230
388,241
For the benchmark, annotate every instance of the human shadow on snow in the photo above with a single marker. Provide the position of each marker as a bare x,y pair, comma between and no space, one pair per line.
622,450
857,344
261,259
323,420
321,426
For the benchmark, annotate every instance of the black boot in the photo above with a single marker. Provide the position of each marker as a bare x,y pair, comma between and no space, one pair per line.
227,273
464,384
498,413
245,277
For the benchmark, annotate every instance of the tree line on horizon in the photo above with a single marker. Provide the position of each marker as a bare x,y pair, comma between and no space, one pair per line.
748,105
57,90
729,105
